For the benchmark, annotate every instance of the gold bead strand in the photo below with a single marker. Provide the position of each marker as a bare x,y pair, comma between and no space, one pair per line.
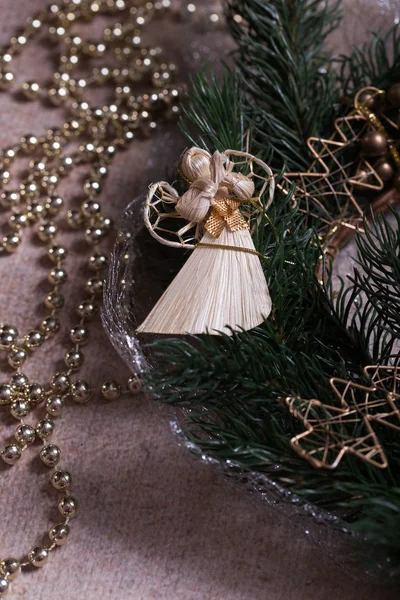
99,133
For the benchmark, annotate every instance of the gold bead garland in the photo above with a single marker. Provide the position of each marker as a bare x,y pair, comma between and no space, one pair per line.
98,135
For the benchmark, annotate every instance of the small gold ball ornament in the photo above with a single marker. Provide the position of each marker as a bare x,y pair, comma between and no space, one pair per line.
30,90
25,435
6,394
11,454
8,335
50,455
68,507
44,429
81,391
10,568
111,390
61,480
38,556
59,534
3,586
134,384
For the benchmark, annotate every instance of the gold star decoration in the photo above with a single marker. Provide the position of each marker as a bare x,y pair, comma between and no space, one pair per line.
338,172
333,431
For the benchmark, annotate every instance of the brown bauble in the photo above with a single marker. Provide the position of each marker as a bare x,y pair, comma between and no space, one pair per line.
375,102
374,143
393,95
384,170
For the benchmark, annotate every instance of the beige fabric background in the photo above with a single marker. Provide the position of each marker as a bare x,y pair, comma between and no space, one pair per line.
154,523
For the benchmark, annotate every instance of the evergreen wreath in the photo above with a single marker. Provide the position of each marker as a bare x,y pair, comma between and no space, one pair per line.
284,89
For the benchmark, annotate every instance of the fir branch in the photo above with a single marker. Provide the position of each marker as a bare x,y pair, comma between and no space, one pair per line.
214,109
379,278
376,63
288,91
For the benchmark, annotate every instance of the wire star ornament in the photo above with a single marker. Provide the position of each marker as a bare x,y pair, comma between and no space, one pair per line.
332,431
338,173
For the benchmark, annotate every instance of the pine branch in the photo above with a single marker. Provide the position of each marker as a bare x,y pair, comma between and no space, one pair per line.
376,63
215,110
288,88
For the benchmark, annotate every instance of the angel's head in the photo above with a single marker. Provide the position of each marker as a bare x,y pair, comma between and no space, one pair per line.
195,164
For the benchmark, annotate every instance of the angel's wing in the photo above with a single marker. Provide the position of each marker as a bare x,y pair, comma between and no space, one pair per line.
162,220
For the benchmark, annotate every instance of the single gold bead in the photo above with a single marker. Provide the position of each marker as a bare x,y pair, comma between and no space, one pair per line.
59,534
44,428
25,435
134,384
8,335
38,556
47,232
87,309
81,391
9,154
19,382
35,394
68,507
98,261
38,167
90,208
50,455
58,95
50,325
65,165
60,383
111,390
28,190
55,405
94,235
3,585
57,276
61,480
74,359
10,199
75,219
29,143
19,409
79,335
54,300
11,241
16,357
7,394
57,253
5,176
6,80
10,568
49,182
34,211
92,187
53,205
30,90
99,172
11,454
52,148
34,339
18,221
94,286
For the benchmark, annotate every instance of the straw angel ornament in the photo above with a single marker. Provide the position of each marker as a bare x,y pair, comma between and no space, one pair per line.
221,287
